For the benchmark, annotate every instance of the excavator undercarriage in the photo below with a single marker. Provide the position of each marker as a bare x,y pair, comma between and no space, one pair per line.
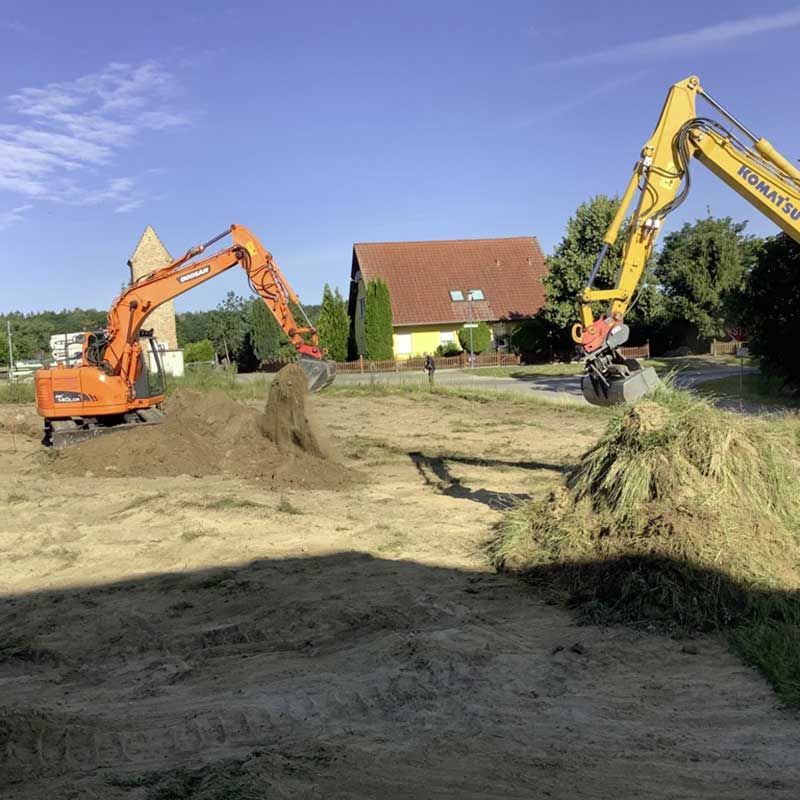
60,433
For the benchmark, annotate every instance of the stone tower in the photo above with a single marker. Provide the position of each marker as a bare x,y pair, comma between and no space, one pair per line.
150,255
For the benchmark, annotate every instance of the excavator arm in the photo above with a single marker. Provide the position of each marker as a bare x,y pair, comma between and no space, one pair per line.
129,312
111,388
748,164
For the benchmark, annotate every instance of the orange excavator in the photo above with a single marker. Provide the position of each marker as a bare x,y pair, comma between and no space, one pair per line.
112,387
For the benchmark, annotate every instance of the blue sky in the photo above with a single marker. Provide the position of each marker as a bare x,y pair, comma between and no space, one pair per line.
318,124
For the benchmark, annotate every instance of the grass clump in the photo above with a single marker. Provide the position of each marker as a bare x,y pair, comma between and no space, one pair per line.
17,392
253,388
285,507
682,515
751,388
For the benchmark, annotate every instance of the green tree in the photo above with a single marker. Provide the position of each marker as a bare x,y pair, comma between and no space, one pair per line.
193,326
572,261
771,308
267,340
702,268
228,325
378,322
199,351
481,337
333,325
31,332
538,339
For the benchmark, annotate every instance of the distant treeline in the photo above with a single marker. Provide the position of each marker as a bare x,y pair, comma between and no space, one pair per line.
30,333
237,328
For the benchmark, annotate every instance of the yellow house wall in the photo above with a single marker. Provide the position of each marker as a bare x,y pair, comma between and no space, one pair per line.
424,339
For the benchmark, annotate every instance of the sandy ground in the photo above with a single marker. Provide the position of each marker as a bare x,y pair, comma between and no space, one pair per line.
209,638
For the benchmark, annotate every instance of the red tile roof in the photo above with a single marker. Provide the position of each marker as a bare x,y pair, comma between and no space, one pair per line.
420,276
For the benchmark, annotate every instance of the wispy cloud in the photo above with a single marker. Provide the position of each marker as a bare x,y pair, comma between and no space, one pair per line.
696,39
129,205
67,135
583,99
13,215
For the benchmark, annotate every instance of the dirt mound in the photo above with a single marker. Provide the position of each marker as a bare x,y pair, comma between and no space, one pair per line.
285,422
209,434
680,513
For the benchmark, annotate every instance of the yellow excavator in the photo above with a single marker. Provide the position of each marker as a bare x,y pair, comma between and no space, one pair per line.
749,164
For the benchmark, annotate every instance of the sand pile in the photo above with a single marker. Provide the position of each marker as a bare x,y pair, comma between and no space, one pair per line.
285,421
209,433
681,513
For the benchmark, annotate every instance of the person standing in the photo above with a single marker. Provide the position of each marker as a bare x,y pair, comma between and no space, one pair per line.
430,367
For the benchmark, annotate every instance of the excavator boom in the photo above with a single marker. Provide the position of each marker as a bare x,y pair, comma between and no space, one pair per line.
112,387
750,165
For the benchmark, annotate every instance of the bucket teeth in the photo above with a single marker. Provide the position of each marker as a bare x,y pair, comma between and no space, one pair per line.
619,390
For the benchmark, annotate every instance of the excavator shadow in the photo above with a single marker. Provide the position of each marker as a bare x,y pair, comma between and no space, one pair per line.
436,473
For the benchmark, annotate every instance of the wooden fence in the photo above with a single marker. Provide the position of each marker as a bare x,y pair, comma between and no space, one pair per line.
724,348
642,351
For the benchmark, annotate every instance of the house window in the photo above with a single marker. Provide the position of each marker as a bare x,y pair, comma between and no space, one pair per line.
447,337
402,344
456,295
477,294
362,306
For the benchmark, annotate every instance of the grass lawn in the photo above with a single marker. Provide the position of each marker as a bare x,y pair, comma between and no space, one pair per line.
16,392
481,396
527,371
752,388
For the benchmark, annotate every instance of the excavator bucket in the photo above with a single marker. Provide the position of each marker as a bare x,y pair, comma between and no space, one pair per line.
318,372
619,388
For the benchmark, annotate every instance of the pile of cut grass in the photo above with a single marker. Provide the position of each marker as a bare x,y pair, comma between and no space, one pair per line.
681,515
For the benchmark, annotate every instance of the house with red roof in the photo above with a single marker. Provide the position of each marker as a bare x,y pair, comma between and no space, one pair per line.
437,287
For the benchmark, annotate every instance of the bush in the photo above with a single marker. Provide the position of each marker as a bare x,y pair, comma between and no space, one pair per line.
771,311
378,322
481,338
198,351
539,340
333,326
447,350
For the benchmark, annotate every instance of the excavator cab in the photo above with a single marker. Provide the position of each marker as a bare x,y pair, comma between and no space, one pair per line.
151,380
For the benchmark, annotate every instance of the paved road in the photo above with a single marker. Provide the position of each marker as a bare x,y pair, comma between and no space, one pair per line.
566,388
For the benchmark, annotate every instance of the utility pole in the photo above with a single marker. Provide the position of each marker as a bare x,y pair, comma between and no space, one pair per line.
10,352
471,325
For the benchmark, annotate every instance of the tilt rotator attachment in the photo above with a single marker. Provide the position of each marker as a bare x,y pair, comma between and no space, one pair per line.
611,378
